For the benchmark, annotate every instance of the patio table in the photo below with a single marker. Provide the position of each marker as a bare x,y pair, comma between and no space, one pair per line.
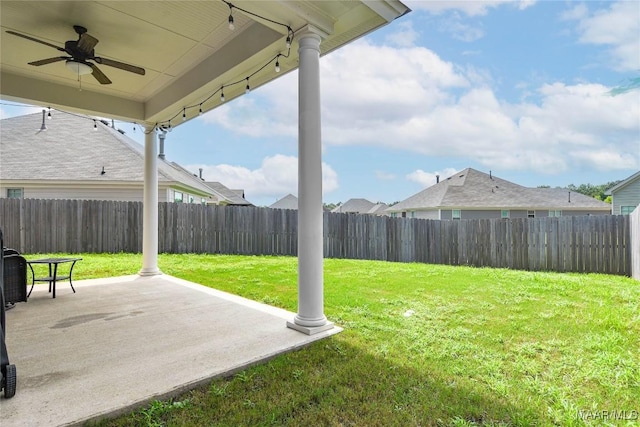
53,276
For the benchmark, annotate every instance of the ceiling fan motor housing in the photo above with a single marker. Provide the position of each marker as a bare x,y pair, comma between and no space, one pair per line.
71,47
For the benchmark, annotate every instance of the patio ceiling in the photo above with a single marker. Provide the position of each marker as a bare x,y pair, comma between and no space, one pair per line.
186,48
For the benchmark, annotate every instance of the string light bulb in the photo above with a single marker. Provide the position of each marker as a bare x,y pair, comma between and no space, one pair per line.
95,126
288,41
248,88
184,114
231,24
222,94
49,114
200,110
170,128
277,65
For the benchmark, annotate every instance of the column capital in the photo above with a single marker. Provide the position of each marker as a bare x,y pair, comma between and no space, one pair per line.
148,127
311,31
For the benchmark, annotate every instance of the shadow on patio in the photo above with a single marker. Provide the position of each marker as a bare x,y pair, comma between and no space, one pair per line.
120,342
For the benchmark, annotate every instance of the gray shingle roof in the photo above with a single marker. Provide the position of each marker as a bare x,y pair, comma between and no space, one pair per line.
287,202
72,150
354,206
378,209
232,197
472,189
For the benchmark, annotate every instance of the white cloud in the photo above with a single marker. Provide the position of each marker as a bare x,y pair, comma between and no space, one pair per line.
277,176
406,36
384,176
471,8
427,179
460,30
409,99
617,27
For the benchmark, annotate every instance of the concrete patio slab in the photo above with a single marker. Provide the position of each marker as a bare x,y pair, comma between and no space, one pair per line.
121,342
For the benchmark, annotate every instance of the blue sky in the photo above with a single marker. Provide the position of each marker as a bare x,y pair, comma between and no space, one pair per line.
521,88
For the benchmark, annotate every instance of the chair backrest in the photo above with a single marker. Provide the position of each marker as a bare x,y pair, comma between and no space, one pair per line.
9,251
14,274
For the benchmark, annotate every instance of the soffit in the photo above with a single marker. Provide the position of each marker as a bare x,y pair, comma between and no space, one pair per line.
186,48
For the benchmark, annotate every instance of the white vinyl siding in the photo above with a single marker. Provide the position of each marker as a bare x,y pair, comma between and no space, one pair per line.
629,195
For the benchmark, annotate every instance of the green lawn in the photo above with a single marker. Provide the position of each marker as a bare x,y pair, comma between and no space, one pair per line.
422,345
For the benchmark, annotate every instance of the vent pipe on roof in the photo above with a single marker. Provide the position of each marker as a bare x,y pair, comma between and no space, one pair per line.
437,179
569,196
490,175
200,169
161,136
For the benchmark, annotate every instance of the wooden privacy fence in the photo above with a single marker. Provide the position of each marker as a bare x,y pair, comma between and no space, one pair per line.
599,244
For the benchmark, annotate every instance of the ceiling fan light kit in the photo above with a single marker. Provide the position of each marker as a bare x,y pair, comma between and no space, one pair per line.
78,68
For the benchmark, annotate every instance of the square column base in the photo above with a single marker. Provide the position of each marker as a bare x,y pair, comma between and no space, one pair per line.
310,330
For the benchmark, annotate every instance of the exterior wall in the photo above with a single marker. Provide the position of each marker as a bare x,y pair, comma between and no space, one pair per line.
125,194
493,214
629,195
425,214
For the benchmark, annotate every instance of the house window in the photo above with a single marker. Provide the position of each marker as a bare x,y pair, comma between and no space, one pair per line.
177,197
413,214
504,214
555,213
456,214
191,199
626,210
531,214
203,201
14,193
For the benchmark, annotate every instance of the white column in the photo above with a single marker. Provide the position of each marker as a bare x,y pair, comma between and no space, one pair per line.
310,318
150,205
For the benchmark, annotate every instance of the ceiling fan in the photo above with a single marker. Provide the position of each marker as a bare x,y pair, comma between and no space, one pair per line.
80,52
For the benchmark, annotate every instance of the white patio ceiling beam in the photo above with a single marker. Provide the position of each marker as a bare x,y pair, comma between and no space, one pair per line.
204,79
40,92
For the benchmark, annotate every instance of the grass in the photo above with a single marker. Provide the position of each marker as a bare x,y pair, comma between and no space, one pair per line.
423,345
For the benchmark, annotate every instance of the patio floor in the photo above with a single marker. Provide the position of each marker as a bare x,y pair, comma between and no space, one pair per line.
120,342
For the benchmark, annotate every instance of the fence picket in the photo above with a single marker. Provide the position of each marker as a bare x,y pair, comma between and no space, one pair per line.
576,243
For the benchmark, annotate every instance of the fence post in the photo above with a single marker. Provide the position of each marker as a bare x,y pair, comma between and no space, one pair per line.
634,220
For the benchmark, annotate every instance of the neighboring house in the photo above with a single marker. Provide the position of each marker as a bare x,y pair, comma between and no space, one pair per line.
470,194
361,206
625,196
379,209
77,157
287,202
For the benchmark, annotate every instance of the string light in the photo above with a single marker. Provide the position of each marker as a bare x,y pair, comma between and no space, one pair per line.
95,125
166,125
231,25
